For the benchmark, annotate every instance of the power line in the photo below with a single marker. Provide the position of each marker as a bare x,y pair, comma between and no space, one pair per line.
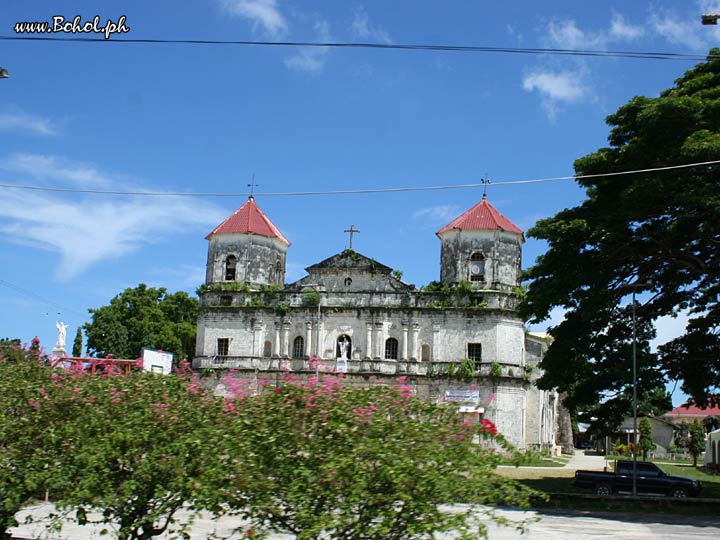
39,298
482,183
388,46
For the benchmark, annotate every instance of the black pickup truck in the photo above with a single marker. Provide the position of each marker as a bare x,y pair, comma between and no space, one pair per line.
650,479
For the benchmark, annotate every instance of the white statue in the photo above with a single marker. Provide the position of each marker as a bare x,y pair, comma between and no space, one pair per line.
62,332
344,344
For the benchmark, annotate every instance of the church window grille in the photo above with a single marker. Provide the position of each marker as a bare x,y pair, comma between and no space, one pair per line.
477,267
223,346
226,300
230,268
474,353
298,347
425,353
267,350
391,349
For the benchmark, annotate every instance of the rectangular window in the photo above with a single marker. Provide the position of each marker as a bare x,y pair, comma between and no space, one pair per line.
474,353
223,346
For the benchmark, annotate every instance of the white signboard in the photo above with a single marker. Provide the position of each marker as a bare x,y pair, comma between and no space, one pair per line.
464,396
157,361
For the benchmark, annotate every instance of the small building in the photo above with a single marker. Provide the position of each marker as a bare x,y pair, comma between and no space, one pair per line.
712,450
353,314
689,412
663,432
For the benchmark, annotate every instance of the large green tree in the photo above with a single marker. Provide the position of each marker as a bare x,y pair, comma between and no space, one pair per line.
654,233
144,317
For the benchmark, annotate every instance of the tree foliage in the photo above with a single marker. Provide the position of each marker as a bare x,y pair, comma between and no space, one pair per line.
21,377
78,343
317,459
363,463
696,444
144,317
645,442
655,233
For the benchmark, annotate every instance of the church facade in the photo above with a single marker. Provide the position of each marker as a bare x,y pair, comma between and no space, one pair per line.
458,340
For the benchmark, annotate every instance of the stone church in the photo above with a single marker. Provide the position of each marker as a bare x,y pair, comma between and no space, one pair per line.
457,340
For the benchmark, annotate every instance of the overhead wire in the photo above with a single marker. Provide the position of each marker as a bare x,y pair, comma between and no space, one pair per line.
483,183
388,46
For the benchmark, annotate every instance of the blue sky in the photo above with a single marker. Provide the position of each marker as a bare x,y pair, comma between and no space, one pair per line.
181,118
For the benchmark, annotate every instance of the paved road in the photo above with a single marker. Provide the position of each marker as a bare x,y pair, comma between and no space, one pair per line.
553,525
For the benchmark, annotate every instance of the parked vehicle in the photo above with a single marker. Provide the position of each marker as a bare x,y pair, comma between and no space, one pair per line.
650,480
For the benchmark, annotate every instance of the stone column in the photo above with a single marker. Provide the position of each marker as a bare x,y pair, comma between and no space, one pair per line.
404,346
379,340
368,341
435,345
257,338
286,338
277,339
415,350
319,338
308,339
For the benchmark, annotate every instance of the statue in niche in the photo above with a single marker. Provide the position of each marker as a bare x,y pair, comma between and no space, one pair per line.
344,345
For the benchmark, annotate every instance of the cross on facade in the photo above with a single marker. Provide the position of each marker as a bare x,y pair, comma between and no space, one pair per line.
352,230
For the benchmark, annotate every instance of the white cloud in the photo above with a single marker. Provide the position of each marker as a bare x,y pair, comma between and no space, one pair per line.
437,215
15,119
556,87
264,13
49,167
567,35
90,230
312,59
363,29
620,30
679,31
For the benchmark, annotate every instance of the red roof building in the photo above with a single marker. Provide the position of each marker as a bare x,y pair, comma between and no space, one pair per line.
249,219
482,216
690,412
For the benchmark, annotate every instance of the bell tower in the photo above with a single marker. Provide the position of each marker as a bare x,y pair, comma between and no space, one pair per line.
483,247
246,248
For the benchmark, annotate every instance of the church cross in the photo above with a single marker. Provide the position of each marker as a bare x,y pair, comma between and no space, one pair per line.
352,230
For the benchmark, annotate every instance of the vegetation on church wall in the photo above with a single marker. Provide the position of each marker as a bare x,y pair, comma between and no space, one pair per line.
311,297
315,459
654,234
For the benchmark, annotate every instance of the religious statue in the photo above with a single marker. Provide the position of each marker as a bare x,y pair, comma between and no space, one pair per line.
344,345
62,332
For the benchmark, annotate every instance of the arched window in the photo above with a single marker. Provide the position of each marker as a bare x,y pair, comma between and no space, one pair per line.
298,347
477,267
230,267
391,349
425,353
267,349
343,348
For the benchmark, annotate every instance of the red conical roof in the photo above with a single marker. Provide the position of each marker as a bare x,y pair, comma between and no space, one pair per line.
482,216
249,219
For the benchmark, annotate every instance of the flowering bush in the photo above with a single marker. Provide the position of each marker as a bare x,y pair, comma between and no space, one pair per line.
326,459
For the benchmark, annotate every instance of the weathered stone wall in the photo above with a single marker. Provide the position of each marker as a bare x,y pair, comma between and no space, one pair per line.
260,259
502,252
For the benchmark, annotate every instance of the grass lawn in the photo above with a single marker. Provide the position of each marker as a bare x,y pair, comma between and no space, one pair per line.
536,460
559,481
